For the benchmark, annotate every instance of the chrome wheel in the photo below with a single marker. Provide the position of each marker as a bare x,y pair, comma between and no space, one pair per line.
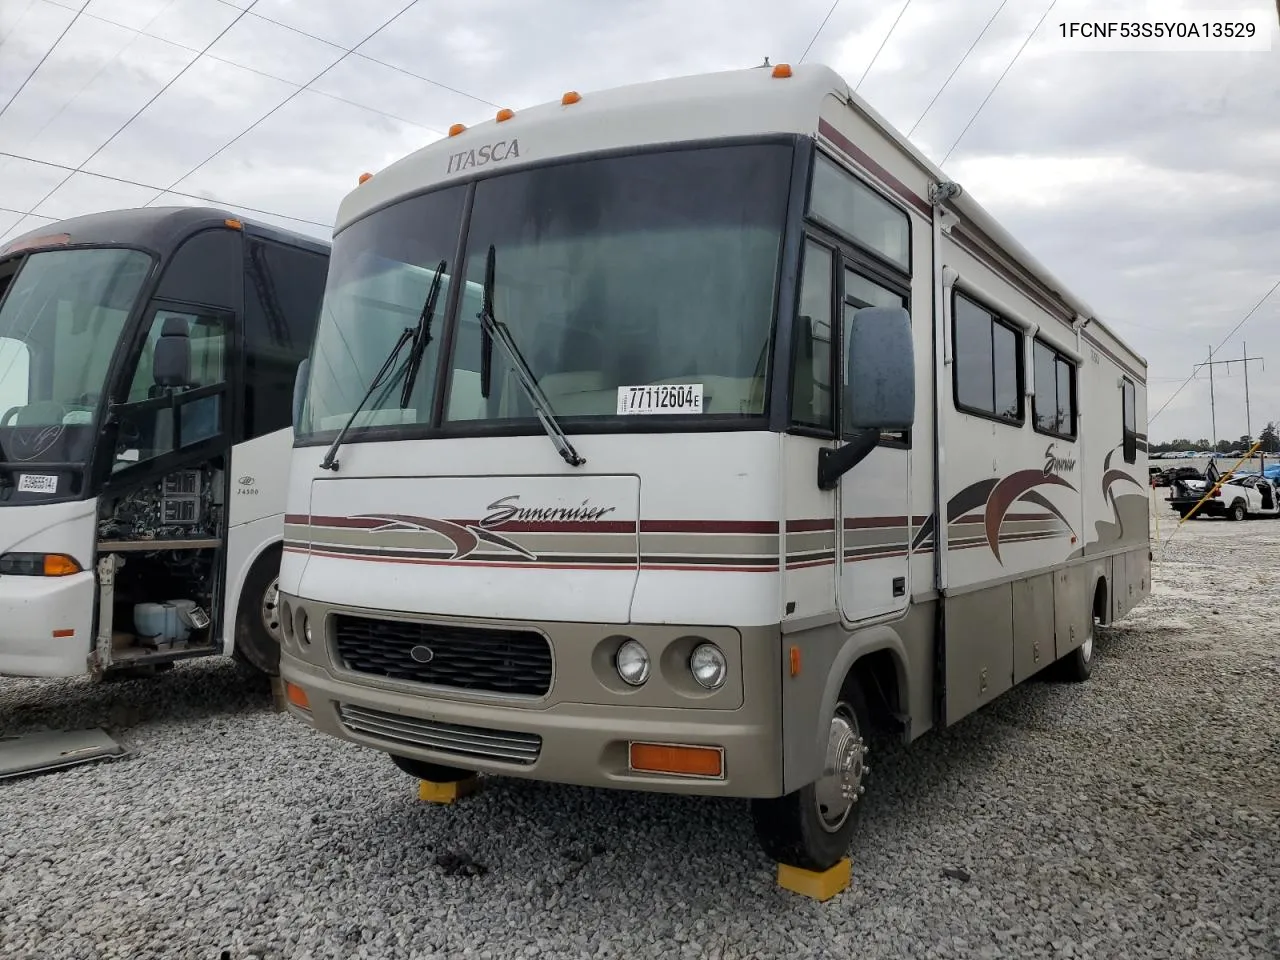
841,783
1086,648
271,610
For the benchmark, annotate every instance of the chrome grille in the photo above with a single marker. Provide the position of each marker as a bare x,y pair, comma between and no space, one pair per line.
516,662
475,742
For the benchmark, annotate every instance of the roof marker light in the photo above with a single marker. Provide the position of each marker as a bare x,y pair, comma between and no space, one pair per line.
782,71
505,114
365,176
233,224
456,129
573,96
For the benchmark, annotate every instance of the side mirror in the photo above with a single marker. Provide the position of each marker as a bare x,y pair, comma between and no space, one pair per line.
171,362
299,391
880,386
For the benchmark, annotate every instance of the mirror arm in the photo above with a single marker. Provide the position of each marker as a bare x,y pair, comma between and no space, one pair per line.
834,464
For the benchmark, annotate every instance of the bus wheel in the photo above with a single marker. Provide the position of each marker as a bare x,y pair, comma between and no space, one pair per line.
812,827
258,633
431,772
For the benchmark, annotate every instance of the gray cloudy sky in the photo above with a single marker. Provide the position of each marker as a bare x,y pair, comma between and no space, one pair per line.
1149,182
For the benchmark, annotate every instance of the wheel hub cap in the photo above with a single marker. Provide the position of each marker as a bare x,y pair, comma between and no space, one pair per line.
271,609
841,783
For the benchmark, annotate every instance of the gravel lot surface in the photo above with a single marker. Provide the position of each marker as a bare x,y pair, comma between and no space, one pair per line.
1137,815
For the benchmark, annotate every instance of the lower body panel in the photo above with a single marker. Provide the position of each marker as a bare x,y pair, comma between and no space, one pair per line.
46,625
577,731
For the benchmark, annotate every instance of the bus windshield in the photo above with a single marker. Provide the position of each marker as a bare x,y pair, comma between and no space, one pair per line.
60,321
635,284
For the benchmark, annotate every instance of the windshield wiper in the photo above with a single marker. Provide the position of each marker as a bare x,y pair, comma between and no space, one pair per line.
420,335
493,329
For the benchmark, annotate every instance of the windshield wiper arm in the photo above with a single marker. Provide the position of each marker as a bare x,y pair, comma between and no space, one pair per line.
495,330
421,336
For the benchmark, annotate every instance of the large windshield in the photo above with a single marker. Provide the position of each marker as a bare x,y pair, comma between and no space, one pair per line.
655,270
61,317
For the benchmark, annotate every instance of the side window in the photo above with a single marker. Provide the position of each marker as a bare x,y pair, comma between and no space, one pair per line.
183,352
283,289
1130,418
15,375
1054,403
859,292
852,208
987,361
811,356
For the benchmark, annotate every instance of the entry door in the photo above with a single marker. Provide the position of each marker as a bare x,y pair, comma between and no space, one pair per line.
874,505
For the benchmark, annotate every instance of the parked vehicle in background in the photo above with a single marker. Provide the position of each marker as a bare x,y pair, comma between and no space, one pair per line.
647,487
146,369
1235,497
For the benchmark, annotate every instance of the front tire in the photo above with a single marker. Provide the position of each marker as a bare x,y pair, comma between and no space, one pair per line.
1077,666
1238,512
811,828
258,629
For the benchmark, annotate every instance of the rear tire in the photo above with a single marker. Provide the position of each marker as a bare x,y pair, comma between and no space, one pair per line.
431,772
811,828
1077,666
258,632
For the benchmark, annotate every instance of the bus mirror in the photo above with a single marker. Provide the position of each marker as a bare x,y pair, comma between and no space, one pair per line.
880,386
299,390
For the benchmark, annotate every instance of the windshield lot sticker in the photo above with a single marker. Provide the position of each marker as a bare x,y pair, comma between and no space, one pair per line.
660,398
38,483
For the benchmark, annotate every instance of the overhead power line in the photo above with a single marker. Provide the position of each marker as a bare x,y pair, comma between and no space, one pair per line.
80,167
345,53
998,81
817,33
40,63
151,186
876,55
364,56
946,83
1265,297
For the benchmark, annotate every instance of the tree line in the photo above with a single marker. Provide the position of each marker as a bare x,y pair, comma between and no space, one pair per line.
1270,437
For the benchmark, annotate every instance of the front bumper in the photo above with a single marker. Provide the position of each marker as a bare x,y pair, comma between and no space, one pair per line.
46,625
579,733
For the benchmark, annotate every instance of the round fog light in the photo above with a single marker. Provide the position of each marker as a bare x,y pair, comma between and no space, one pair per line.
632,661
708,665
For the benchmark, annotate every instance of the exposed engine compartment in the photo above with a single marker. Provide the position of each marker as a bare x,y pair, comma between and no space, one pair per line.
166,536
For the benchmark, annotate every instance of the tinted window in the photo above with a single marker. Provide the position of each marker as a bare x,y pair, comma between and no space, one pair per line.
1053,406
988,362
380,269
617,276
1129,422
855,210
283,289
811,378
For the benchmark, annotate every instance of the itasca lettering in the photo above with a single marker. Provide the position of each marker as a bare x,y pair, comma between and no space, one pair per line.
507,511
481,156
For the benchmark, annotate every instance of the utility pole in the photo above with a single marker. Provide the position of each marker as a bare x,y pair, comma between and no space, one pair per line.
1211,363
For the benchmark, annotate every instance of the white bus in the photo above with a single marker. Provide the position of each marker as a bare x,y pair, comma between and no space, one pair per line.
747,433
147,361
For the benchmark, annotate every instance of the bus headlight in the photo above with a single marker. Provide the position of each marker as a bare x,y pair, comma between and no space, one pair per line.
708,665
632,662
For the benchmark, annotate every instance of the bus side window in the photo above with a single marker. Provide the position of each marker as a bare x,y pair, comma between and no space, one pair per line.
283,289
151,432
811,353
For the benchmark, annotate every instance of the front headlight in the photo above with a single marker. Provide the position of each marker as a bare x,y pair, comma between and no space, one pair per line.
632,662
708,665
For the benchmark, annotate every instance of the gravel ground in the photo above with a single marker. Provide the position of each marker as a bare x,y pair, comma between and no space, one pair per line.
1137,815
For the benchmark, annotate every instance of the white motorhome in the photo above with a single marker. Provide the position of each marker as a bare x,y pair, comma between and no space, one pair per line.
147,361
671,437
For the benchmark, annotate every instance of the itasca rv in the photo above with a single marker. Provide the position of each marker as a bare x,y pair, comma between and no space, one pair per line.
673,437
147,360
